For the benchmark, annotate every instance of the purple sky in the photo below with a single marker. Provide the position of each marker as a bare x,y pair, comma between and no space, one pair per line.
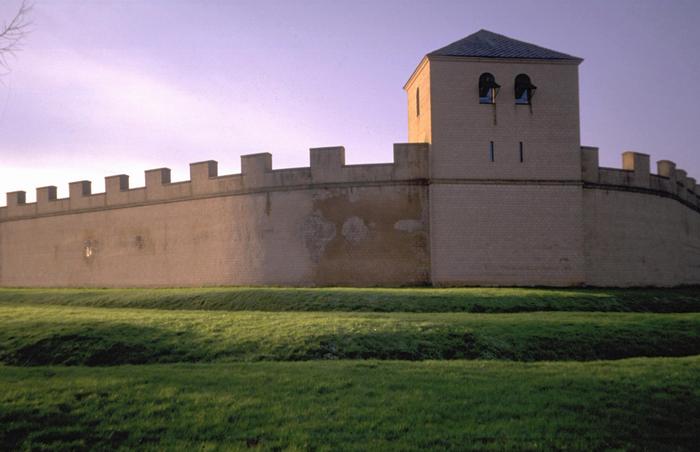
104,87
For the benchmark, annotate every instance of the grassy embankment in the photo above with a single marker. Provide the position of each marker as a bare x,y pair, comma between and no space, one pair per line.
92,336
205,391
486,300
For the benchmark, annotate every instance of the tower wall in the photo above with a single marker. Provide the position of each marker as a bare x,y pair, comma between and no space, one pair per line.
506,221
462,128
420,116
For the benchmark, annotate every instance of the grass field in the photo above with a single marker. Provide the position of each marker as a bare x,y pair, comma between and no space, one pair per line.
350,369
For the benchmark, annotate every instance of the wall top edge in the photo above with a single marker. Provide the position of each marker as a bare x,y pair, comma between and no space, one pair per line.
410,163
636,174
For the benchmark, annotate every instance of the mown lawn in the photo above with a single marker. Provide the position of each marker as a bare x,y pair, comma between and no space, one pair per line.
636,404
349,369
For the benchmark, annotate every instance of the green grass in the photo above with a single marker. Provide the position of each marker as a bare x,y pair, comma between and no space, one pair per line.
44,335
349,369
650,404
484,300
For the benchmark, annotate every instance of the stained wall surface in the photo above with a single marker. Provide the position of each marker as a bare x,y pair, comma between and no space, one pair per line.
617,227
303,232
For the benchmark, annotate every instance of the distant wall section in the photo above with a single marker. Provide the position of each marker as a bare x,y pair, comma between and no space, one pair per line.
641,229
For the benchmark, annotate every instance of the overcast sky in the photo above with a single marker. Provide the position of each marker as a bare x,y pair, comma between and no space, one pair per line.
105,87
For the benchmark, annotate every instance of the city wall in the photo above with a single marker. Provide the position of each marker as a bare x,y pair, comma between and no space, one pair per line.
640,229
328,224
363,225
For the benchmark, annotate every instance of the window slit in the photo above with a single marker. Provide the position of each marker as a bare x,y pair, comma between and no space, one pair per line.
417,101
521,152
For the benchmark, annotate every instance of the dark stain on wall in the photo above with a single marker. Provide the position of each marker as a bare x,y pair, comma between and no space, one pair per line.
370,236
316,231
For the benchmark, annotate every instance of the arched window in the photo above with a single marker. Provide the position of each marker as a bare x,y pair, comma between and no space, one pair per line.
524,90
488,88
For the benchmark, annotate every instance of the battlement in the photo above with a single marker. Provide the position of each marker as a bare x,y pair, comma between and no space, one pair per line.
636,175
327,168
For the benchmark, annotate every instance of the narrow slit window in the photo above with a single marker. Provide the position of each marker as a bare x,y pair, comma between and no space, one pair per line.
521,153
417,101
492,153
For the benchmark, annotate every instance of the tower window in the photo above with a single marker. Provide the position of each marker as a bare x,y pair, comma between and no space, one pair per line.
522,157
417,101
488,88
492,152
524,90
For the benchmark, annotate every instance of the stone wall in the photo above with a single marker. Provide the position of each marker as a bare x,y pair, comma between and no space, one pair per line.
363,225
305,226
641,229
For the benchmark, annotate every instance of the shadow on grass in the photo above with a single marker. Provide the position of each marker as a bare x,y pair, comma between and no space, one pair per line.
56,426
110,344
106,345
449,345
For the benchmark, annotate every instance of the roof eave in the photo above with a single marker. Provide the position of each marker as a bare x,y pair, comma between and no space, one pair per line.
573,60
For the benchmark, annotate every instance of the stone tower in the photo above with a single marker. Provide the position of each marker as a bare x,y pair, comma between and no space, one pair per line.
502,119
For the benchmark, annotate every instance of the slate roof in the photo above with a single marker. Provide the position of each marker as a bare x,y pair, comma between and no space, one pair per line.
486,44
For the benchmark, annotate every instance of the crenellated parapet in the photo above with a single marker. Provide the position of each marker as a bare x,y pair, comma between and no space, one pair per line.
636,175
327,168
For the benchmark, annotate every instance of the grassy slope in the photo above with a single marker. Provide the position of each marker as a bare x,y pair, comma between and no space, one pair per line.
215,403
373,300
40,335
651,404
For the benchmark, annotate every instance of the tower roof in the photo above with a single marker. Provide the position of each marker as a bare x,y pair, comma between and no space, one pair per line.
486,44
